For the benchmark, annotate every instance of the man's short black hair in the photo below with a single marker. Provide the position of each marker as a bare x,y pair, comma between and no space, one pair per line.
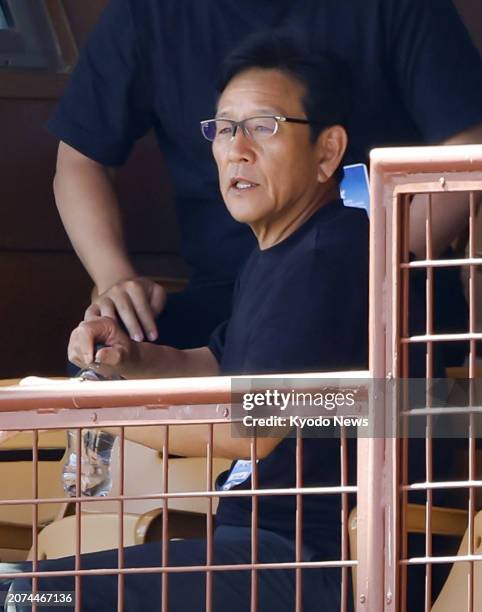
324,77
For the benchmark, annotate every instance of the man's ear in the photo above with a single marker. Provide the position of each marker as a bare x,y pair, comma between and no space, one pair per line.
331,146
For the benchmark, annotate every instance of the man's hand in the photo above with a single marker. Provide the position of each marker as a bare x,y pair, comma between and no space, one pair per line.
135,359
119,350
136,302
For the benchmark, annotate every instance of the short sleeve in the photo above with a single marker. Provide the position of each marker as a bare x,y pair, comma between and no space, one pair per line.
218,340
437,69
105,107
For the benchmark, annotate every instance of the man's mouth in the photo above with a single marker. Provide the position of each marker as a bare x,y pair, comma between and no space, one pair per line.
242,184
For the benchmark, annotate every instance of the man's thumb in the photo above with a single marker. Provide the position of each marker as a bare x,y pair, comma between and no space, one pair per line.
109,355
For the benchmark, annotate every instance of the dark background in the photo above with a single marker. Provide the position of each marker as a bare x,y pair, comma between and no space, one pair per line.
44,289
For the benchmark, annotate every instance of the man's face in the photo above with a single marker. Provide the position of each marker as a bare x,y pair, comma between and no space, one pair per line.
279,174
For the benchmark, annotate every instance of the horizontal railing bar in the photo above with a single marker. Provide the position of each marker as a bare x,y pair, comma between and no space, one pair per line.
441,338
455,484
433,560
461,410
427,159
442,263
187,494
178,569
149,392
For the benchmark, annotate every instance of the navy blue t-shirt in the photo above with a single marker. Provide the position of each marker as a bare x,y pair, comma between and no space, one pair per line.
153,64
300,305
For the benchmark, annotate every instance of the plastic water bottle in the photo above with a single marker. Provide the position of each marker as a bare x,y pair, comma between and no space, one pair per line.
96,451
95,473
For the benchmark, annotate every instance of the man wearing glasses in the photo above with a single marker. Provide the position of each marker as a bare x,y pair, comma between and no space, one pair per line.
152,64
300,305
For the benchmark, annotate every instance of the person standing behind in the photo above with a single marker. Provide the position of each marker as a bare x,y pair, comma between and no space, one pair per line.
152,64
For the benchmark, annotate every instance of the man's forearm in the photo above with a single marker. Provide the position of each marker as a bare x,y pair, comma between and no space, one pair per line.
193,440
155,361
88,206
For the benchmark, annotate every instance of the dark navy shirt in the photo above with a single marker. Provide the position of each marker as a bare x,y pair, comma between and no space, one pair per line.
300,305
153,64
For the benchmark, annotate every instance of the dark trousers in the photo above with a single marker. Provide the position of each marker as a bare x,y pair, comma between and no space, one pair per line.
187,590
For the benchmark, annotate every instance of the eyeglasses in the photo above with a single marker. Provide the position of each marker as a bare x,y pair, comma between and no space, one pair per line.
257,128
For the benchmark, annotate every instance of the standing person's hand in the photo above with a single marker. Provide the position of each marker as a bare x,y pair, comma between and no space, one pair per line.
135,302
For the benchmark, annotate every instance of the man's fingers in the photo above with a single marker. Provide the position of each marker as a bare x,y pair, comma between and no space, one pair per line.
83,339
81,347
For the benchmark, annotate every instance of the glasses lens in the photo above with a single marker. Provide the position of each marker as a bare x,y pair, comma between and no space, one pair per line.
217,129
260,128
224,129
208,129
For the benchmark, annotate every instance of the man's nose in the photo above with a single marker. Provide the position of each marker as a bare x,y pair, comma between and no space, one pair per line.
240,146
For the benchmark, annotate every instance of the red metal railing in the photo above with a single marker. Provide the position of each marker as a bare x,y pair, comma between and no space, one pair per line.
383,485
165,403
398,175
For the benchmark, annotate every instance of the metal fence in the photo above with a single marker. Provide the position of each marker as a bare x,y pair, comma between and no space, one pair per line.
164,404
399,175
385,513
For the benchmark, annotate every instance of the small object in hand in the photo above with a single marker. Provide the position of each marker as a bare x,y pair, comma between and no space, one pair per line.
97,371
95,448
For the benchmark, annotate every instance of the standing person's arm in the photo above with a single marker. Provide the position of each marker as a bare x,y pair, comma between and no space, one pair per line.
437,72
449,210
106,107
88,206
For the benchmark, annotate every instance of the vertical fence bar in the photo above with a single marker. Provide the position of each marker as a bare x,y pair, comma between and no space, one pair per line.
120,558
165,520
472,373
34,511
371,451
404,373
299,522
429,329
345,553
254,526
209,519
395,360
78,517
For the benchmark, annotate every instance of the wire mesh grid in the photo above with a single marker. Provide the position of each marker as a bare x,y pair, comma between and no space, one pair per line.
431,472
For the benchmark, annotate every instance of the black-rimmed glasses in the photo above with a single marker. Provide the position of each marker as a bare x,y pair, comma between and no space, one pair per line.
257,128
